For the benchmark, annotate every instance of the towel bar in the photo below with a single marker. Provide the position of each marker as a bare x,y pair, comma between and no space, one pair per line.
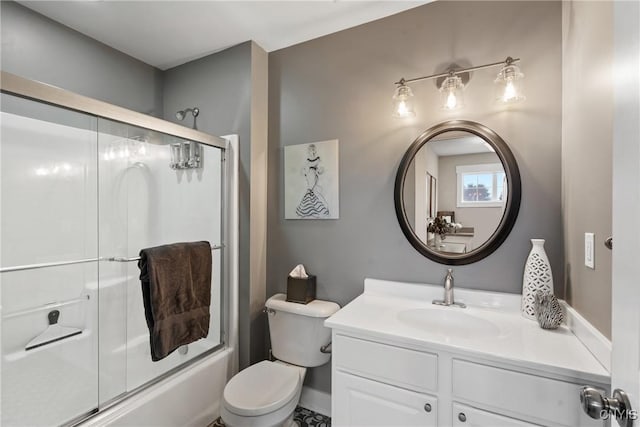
137,258
46,264
79,261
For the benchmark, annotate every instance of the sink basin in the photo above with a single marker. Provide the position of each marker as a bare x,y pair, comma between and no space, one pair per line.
449,321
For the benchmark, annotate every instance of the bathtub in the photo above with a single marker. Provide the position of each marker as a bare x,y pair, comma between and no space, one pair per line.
183,389
191,397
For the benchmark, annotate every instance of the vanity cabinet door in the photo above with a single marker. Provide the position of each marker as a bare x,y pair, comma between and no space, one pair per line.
362,402
466,416
549,400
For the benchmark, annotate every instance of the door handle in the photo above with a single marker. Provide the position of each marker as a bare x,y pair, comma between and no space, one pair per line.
599,407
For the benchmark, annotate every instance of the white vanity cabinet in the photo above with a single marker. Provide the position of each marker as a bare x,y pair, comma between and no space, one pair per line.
379,383
398,360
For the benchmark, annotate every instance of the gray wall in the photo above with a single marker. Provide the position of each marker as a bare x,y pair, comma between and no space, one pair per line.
220,85
340,86
587,121
38,48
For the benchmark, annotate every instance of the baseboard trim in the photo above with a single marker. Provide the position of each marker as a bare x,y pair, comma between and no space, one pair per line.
592,338
317,401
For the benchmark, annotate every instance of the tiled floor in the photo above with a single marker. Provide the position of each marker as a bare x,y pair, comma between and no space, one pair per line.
304,418
307,418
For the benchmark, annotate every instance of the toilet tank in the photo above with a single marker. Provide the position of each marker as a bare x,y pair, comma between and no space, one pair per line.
297,330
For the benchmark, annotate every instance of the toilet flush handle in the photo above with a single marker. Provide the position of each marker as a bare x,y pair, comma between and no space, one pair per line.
269,310
326,348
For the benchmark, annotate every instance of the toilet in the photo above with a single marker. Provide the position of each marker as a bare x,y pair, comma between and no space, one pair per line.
267,393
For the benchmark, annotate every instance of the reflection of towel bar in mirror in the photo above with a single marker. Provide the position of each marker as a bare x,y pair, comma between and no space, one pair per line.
47,306
79,261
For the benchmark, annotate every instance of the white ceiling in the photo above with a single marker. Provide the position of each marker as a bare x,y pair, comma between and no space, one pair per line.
460,145
169,33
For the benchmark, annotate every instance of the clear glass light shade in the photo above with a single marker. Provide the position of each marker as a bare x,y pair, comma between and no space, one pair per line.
403,102
508,85
451,96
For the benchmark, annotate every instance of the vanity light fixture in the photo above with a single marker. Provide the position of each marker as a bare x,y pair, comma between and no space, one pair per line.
509,83
508,86
451,92
403,101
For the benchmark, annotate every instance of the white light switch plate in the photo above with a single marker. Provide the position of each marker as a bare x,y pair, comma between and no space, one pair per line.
588,250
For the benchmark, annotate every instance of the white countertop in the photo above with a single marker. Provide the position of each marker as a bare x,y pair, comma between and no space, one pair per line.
379,311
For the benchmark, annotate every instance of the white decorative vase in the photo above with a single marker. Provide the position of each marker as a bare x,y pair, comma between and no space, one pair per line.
537,277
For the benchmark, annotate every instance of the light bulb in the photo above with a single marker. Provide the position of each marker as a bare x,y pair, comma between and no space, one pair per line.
402,109
451,101
509,92
451,96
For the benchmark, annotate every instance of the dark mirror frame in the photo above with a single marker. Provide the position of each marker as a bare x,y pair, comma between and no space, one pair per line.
513,196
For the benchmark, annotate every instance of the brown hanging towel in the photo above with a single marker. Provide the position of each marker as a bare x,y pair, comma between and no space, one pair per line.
176,290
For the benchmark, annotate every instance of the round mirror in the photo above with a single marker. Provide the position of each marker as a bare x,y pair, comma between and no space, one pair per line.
457,192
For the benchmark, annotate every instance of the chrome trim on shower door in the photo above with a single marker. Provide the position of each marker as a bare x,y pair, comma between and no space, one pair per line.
19,86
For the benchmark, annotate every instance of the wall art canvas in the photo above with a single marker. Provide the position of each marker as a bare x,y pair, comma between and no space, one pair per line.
311,188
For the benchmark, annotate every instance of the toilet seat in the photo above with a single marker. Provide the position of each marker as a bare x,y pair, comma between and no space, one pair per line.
262,388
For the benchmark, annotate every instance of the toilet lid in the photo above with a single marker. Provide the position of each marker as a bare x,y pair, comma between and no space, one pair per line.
261,388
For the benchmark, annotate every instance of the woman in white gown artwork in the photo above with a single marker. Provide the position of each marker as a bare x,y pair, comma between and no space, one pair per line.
313,203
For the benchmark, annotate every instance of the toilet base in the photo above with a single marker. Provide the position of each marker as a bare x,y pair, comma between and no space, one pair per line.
267,420
290,422
283,417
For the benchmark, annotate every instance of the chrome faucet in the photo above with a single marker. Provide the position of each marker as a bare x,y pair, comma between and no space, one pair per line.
448,292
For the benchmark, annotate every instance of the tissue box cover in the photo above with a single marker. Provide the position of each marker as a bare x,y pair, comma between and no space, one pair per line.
301,291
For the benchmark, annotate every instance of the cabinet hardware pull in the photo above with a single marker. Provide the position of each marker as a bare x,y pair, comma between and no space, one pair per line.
462,417
427,407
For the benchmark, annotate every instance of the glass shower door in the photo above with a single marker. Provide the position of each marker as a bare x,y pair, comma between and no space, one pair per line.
80,196
145,202
48,257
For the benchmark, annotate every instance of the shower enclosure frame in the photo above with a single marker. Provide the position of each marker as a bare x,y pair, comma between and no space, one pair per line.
12,84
